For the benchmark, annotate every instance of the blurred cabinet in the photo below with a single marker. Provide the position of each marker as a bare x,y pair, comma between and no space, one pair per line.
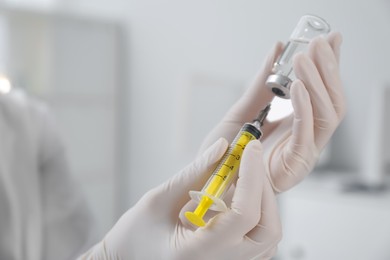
74,65
322,222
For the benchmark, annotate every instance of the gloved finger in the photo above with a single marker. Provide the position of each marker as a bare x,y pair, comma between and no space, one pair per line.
244,213
294,160
335,39
302,130
262,240
173,194
327,66
258,95
324,114
268,231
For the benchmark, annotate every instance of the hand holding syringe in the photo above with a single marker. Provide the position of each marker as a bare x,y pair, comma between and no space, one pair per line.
211,196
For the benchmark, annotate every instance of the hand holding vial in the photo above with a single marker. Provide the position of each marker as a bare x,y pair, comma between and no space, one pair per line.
293,144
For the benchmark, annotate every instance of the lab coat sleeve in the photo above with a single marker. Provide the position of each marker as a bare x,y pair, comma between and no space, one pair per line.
68,226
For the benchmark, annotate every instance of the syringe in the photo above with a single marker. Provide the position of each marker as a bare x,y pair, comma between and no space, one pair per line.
211,196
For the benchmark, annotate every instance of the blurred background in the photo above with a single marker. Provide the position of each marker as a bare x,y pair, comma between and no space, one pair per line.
130,83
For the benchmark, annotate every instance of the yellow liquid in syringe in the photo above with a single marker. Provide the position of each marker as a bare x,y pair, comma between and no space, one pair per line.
222,177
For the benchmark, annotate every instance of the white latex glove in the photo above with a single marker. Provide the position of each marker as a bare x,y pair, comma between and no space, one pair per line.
292,145
152,229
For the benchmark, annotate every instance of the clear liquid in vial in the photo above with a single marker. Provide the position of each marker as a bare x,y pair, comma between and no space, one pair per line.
283,66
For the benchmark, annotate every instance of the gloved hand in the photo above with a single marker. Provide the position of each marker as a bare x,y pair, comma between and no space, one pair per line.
292,145
152,229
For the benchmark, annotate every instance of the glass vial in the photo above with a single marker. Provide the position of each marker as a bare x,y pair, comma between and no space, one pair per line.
308,27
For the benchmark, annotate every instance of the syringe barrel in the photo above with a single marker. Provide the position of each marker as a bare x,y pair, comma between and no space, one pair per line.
211,196
226,171
308,27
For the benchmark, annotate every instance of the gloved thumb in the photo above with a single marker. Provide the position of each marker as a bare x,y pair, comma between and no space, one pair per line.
257,96
174,192
245,209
